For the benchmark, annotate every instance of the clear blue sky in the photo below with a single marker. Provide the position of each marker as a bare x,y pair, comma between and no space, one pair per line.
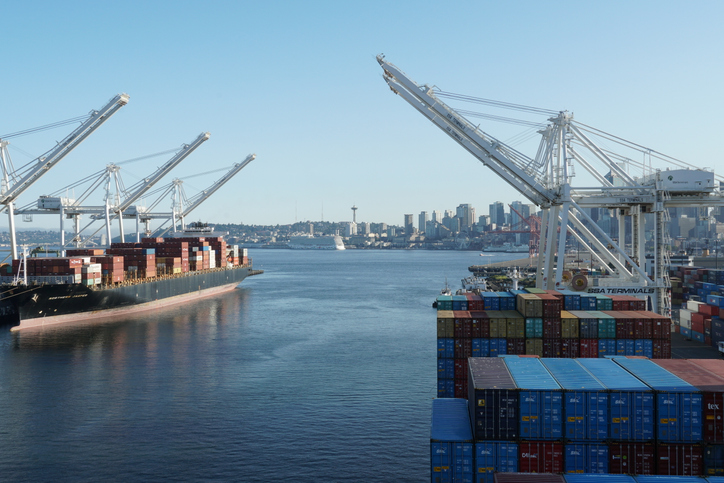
296,82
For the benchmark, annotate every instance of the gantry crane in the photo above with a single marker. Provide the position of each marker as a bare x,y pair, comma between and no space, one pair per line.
181,206
546,181
14,184
116,202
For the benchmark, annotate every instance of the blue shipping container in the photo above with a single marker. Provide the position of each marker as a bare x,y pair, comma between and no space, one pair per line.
606,347
644,347
446,388
714,460
586,458
492,457
541,399
625,347
451,446
498,347
631,408
678,403
481,347
459,302
585,400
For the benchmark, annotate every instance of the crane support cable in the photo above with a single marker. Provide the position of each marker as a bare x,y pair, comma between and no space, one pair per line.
490,102
508,120
651,152
44,128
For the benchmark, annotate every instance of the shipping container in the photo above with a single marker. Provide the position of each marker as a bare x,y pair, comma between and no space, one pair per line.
540,457
451,442
711,384
596,478
493,396
540,399
586,458
714,460
678,403
585,401
631,404
632,458
494,457
534,327
528,478
680,459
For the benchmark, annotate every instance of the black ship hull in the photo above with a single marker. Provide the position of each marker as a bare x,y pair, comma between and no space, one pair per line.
42,305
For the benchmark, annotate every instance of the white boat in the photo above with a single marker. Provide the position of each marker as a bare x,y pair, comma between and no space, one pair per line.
325,242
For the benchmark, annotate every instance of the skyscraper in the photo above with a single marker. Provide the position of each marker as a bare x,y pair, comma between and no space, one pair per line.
466,214
497,213
422,221
409,227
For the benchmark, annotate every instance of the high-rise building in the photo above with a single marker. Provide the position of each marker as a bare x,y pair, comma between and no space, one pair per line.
466,214
437,216
422,221
409,228
515,220
497,213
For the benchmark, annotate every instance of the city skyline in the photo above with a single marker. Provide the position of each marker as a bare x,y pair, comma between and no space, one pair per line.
299,86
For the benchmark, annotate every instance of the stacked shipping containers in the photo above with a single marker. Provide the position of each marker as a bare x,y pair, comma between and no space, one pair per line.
621,415
135,261
542,324
697,297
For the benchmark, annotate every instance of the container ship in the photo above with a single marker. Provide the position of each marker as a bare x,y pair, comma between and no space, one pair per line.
125,278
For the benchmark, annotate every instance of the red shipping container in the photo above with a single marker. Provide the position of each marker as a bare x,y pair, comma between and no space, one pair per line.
662,349
588,348
551,328
643,325
461,388
516,346
709,309
463,349
474,326
540,457
526,478
697,326
631,459
697,317
461,369
570,348
680,459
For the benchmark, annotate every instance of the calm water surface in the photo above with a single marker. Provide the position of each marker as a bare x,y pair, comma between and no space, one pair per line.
321,369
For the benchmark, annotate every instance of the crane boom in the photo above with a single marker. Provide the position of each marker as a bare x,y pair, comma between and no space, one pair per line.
204,195
150,181
491,152
64,147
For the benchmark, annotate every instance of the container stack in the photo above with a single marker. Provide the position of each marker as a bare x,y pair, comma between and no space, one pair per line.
52,270
138,262
621,415
451,442
544,324
697,297
112,268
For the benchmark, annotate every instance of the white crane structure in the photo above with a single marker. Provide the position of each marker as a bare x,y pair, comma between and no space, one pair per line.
14,183
182,206
117,200
547,181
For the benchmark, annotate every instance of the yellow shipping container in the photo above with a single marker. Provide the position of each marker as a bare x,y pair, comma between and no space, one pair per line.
569,325
445,324
534,347
498,326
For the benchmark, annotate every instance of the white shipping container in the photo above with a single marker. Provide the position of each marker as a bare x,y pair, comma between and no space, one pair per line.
685,315
693,305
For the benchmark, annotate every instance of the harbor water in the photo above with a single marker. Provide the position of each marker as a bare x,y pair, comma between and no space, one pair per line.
321,369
